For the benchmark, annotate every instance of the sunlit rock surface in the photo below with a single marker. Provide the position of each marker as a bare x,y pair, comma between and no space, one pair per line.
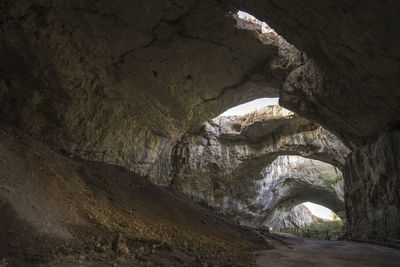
350,84
290,217
131,78
134,77
292,180
226,168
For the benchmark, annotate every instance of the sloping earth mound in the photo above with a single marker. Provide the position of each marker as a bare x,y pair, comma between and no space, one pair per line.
62,211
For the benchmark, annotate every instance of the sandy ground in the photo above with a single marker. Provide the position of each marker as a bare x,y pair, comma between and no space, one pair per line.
306,252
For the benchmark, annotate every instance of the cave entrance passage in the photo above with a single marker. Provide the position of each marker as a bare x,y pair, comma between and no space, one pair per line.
310,220
292,188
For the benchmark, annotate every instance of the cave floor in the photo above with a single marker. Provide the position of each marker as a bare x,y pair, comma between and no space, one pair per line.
309,252
62,211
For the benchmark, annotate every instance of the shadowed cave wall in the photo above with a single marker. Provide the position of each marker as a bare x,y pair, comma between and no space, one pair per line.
134,78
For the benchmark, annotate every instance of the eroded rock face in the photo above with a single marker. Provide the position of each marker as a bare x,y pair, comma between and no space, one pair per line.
131,78
157,64
290,217
134,77
271,197
225,166
373,169
292,180
350,84
355,49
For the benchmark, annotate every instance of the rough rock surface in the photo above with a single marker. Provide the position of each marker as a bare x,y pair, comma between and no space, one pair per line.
292,180
350,84
127,76
374,169
131,78
134,77
354,46
227,169
287,217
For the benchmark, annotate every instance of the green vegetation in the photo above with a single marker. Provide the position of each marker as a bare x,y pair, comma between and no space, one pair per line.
329,177
330,226
317,230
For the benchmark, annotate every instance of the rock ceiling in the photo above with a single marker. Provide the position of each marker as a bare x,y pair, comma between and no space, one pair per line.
134,77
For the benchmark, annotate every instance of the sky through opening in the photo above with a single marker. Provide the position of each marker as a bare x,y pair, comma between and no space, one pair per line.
319,211
251,106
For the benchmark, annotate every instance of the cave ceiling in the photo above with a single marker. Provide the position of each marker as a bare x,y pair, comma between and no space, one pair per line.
170,65
352,87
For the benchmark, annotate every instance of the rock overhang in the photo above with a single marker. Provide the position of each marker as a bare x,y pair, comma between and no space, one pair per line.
168,68
86,75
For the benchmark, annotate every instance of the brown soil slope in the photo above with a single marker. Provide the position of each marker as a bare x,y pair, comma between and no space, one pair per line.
62,211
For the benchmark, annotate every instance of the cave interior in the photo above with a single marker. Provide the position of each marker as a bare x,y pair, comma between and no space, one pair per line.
113,148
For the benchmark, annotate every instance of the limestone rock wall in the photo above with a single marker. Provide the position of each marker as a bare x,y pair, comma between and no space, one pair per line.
354,46
225,166
272,195
350,85
288,217
70,68
130,77
372,190
292,180
134,77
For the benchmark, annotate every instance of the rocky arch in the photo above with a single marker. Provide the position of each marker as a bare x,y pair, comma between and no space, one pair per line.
282,185
292,180
171,48
347,63
137,96
134,77
288,216
224,164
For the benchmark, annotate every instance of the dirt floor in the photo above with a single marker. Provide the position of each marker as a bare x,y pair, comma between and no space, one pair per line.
60,211
307,252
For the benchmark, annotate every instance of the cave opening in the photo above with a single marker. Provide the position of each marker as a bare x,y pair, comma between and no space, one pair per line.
321,211
306,215
296,189
265,28
263,97
248,107
110,144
